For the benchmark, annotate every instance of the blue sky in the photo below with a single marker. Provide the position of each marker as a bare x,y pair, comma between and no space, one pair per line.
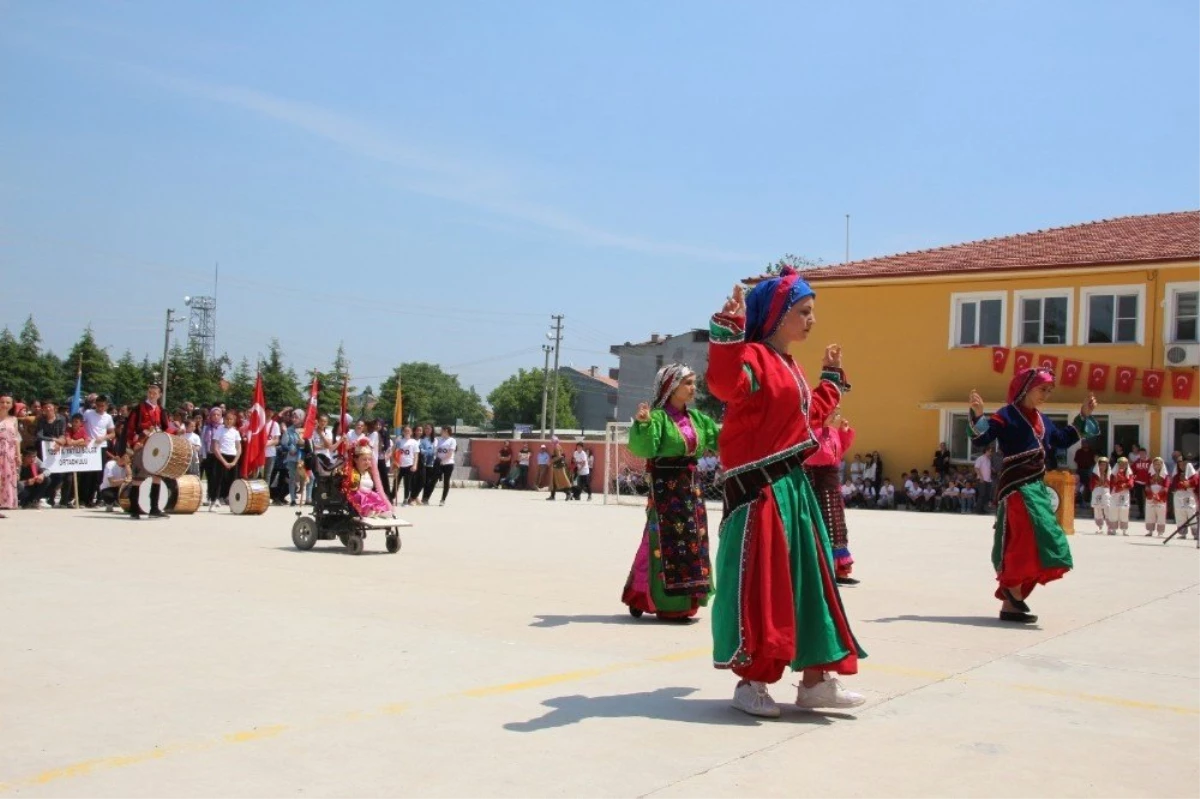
432,181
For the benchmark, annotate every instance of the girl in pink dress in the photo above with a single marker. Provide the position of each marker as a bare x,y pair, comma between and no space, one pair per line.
361,484
10,454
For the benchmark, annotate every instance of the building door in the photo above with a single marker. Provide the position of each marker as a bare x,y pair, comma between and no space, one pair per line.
1184,436
1128,435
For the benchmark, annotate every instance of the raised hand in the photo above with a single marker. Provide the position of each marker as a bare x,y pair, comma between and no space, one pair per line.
643,412
735,303
845,425
976,402
1089,405
833,357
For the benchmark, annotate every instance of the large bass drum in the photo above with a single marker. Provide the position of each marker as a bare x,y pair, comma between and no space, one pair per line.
184,495
249,497
166,455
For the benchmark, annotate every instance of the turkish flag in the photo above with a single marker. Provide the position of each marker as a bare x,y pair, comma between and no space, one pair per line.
1181,384
1049,362
1125,377
999,359
255,456
1152,382
1097,377
1070,372
1022,361
310,416
342,421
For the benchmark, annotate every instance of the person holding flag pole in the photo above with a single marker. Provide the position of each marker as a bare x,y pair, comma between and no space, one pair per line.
76,407
255,456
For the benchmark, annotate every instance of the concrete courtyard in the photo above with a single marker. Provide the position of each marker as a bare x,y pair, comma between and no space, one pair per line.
205,656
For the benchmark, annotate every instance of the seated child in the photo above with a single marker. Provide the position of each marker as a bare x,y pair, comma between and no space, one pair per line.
361,484
967,498
116,474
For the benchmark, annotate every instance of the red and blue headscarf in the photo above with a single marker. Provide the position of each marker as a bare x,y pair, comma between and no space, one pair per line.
768,301
1026,380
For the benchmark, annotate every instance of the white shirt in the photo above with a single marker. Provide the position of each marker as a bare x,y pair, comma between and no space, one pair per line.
869,491
410,450
523,457
847,491
228,440
365,483
911,488
581,462
114,475
272,432
445,450
373,437
96,424
194,440
869,473
318,443
983,465
887,492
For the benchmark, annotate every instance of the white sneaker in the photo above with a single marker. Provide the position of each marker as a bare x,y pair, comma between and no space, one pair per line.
42,503
752,698
827,694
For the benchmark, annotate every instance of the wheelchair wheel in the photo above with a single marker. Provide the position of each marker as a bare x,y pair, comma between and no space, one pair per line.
345,539
354,544
304,533
635,612
393,543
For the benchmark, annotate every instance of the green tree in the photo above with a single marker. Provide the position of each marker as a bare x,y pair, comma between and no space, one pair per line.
279,383
36,374
241,386
8,360
430,395
797,262
706,402
329,395
127,382
97,368
518,400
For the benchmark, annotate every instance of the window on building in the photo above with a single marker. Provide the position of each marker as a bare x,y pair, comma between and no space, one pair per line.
978,320
1044,320
658,361
699,336
1183,313
959,441
1113,315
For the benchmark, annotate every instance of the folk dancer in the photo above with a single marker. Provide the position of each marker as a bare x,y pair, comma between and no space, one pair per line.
1030,547
1183,494
777,602
834,441
672,573
1101,501
145,420
1120,482
1157,480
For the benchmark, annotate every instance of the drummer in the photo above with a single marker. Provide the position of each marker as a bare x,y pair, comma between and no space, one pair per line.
145,420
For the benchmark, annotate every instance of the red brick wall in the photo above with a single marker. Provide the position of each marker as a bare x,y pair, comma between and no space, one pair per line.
485,454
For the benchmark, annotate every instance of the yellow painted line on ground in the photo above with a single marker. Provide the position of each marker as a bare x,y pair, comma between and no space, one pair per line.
86,767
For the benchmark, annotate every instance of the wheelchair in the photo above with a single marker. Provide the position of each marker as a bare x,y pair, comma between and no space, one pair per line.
334,517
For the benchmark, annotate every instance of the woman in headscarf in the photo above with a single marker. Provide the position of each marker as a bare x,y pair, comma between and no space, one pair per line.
777,602
1156,497
1101,506
834,440
1120,486
1183,495
672,573
1030,547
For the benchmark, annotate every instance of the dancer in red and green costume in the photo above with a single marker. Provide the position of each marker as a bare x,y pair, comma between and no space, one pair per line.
671,574
777,602
1030,547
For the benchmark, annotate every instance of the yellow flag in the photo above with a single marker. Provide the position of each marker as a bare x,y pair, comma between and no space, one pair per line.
398,414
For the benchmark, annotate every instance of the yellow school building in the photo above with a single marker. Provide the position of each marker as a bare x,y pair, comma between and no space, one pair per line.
920,330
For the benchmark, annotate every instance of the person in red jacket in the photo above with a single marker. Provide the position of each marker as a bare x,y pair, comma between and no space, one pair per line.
1184,488
1157,482
1140,467
1119,484
777,601
144,420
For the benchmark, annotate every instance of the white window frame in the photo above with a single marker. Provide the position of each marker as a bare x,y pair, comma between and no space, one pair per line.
1085,298
1169,308
946,428
1169,414
1018,325
956,302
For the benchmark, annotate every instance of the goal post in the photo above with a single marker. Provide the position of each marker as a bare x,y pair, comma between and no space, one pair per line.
624,474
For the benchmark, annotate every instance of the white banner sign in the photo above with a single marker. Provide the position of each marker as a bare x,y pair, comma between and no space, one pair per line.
58,459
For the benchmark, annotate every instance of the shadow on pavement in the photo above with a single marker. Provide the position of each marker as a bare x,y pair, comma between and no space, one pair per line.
969,621
336,549
664,704
622,618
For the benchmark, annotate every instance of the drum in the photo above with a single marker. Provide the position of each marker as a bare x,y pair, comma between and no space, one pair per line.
249,497
166,455
184,495
142,490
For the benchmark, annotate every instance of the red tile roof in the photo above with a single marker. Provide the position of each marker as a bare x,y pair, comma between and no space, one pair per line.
605,379
1129,239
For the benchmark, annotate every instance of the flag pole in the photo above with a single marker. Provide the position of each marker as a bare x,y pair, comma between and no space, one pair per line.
79,397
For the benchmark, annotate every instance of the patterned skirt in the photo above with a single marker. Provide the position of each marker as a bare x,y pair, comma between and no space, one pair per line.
833,512
671,573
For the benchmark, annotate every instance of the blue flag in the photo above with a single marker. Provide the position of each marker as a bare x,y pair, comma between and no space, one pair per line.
77,397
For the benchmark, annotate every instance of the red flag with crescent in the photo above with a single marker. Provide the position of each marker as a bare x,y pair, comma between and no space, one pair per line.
1152,382
1022,361
342,420
255,456
1181,384
1049,362
999,359
1125,377
310,416
1097,377
1070,372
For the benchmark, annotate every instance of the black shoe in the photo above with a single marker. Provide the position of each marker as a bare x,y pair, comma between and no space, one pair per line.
1012,600
137,517
157,514
847,581
1018,617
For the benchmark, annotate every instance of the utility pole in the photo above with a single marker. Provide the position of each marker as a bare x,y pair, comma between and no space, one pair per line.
546,348
847,239
558,320
166,349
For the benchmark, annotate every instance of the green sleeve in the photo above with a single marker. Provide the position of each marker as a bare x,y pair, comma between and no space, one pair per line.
707,429
645,438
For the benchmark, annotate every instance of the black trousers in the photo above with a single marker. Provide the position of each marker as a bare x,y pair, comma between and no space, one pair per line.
29,495
227,474
212,471
435,473
384,475
89,484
